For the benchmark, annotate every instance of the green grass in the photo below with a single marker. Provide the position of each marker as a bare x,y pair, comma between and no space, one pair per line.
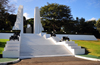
7,59
90,56
92,47
2,44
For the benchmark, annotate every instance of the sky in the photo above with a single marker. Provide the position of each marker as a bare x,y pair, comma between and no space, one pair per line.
88,9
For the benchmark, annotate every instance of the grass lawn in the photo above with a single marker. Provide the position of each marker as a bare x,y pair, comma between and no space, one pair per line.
7,59
93,47
2,44
90,56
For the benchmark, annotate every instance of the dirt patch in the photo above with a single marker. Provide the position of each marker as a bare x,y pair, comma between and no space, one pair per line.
56,61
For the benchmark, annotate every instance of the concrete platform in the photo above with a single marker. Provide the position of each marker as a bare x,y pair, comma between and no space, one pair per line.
33,45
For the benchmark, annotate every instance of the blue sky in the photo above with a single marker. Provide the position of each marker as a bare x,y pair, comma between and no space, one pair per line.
88,9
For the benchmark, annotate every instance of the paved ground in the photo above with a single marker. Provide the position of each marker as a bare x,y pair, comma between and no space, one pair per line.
56,61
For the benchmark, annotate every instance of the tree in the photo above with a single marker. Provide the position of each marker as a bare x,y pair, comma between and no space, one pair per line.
5,9
98,25
54,16
12,19
84,27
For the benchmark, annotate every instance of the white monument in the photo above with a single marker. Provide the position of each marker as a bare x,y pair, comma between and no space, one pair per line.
19,21
37,21
29,28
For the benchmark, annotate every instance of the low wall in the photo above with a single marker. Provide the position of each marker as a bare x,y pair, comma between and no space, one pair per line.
78,37
5,35
72,37
75,37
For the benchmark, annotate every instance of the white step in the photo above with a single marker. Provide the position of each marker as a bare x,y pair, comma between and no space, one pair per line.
37,46
23,57
72,44
35,40
41,50
11,54
75,47
11,48
79,51
13,42
12,45
45,49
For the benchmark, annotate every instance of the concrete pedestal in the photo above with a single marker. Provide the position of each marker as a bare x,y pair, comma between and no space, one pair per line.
29,30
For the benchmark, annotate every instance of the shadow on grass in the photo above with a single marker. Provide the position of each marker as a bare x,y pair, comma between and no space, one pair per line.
2,44
86,51
0,55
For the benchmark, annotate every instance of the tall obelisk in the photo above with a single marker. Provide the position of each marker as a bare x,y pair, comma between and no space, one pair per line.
37,21
19,21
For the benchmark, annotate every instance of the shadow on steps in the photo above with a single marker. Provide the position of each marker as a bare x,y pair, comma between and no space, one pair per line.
86,51
0,55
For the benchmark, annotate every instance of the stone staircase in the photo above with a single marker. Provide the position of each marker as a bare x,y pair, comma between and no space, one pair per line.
70,45
33,45
36,45
12,49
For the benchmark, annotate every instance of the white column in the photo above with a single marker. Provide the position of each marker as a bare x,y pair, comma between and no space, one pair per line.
19,20
37,22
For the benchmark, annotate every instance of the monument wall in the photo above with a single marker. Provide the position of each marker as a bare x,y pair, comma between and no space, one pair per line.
73,37
5,35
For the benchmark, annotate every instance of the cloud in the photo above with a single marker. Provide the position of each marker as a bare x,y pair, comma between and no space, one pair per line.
26,15
92,19
94,3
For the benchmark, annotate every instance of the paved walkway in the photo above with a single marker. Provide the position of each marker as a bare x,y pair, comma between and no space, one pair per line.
56,61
